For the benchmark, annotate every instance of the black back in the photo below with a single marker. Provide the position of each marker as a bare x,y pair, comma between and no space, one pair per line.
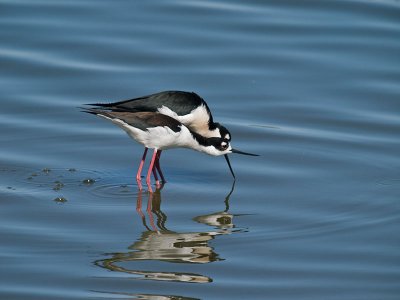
180,102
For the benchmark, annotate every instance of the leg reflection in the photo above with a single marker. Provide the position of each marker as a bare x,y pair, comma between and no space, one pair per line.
153,207
139,209
157,243
222,220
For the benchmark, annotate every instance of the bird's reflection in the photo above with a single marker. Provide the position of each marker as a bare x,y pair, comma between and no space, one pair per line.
157,243
152,296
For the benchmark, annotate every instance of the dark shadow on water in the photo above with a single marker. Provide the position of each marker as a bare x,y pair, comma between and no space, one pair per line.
158,243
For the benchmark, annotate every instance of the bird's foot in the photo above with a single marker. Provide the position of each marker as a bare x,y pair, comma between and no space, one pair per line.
139,183
149,186
159,184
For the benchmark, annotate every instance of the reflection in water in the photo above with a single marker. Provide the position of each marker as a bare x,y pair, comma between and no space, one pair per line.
155,296
160,244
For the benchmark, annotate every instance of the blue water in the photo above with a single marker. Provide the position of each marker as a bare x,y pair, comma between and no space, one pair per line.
311,86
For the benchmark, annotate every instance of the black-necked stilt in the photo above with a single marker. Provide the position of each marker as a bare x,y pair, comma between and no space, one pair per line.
160,132
186,107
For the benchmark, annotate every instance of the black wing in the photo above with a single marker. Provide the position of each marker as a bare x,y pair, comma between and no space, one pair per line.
140,120
180,102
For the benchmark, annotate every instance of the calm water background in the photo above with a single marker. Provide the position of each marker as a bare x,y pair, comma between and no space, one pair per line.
312,86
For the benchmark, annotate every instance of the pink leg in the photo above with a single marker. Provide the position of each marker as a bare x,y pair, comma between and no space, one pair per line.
159,168
151,170
155,171
156,177
155,174
139,173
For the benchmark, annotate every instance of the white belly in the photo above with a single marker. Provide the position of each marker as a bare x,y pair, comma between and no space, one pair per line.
161,137
158,137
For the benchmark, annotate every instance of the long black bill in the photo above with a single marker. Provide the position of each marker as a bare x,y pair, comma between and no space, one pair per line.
230,167
244,153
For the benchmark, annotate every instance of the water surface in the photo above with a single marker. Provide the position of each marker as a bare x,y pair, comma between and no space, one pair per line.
311,86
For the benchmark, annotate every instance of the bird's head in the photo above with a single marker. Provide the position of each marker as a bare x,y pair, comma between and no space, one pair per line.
220,146
216,146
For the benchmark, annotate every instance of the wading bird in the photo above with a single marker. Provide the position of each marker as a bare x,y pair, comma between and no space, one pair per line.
186,107
160,132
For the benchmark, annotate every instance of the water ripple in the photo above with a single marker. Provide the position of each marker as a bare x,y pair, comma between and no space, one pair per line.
111,190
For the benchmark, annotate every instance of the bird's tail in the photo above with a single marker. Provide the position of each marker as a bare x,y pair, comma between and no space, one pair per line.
95,111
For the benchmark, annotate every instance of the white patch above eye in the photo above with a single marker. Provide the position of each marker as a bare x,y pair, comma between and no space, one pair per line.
227,136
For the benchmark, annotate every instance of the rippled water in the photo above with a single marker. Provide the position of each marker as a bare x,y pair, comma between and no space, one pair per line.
311,86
